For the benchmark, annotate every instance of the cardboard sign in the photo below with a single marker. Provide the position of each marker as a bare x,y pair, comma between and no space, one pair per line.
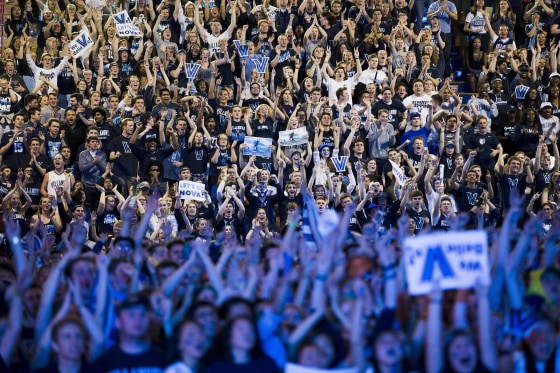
97,3
81,44
456,259
340,163
121,18
191,69
192,191
242,48
400,177
124,25
259,146
261,64
293,137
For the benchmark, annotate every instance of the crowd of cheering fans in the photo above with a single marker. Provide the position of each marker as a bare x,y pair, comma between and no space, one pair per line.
293,258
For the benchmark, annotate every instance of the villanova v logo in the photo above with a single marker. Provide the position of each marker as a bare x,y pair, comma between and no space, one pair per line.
512,183
191,69
471,197
340,163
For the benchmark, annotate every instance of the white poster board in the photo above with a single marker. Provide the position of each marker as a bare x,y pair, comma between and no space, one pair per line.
259,146
81,44
124,25
456,259
191,190
293,137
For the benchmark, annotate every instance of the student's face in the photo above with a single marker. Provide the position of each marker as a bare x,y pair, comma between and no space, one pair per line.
133,322
208,318
311,356
69,342
462,354
242,335
192,341
32,301
83,272
388,350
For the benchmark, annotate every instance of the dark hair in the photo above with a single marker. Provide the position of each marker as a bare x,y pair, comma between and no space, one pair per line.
100,110
28,98
73,262
173,352
33,111
221,347
228,305
78,96
166,263
20,115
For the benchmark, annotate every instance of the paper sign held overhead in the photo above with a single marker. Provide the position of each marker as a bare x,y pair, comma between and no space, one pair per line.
293,137
261,64
457,260
81,44
259,146
124,25
243,49
191,69
192,191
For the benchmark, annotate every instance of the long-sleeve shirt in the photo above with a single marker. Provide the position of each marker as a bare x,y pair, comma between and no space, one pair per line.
91,172
51,74
484,108
380,140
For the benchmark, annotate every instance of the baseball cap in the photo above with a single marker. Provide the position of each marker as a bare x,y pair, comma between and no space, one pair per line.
450,143
545,105
524,67
554,75
181,51
144,184
511,108
123,49
414,114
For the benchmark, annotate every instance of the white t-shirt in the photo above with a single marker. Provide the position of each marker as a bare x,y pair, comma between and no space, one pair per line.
551,124
51,74
476,22
333,86
419,103
372,76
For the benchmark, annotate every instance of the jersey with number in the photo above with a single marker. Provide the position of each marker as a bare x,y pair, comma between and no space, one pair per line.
6,104
14,156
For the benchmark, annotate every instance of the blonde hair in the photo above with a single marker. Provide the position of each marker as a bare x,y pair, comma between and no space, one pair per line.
258,110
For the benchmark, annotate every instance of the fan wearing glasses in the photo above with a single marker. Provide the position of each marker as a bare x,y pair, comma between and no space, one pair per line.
155,178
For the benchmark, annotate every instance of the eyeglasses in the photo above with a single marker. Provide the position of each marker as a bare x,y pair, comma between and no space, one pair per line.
154,170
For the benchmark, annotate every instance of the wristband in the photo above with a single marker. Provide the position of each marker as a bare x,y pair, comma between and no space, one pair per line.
389,274
388,268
